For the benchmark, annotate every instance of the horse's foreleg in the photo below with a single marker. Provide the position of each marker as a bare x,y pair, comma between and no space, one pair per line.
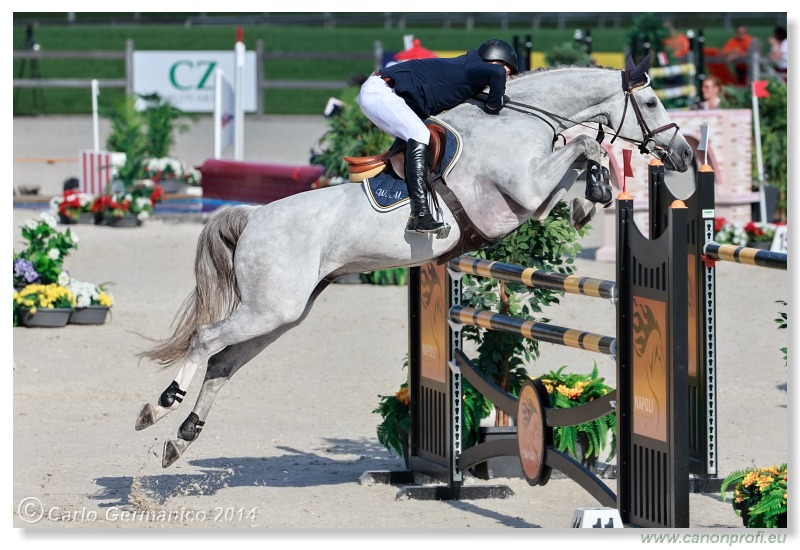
553,168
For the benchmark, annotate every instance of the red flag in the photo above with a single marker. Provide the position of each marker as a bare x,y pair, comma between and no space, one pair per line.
760,88
626,161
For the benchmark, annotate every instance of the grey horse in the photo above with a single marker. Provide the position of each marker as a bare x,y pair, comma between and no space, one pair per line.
258,269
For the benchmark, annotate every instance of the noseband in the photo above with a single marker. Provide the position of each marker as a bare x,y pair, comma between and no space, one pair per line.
647,145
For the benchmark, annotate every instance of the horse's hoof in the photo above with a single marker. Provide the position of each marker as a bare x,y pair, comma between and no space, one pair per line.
171,454
146,417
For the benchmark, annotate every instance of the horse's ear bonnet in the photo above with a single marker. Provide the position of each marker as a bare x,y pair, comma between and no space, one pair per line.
636,74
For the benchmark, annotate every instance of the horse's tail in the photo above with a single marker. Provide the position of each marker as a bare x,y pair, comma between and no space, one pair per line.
216,294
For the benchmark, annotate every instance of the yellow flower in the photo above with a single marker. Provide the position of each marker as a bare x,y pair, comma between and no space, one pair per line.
764,482
548,385
44,296
572,393
105,299
402,395
749,479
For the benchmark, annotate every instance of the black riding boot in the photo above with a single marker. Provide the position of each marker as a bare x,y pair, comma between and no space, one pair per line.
421,219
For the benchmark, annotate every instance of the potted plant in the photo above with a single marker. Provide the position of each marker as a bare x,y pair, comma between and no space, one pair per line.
547,244
129,208
43,305
171,174
726,232
161,120
73,207
584,441
395,426
760,495
759,234
42,259
143,134
92,303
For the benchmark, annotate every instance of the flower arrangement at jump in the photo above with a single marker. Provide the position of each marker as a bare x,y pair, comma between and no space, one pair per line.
727,232
760,495
40,280
393,430
583,441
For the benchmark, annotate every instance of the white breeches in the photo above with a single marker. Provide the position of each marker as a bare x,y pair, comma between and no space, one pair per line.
389,112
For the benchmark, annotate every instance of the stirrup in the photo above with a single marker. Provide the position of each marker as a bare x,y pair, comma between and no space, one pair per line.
442,229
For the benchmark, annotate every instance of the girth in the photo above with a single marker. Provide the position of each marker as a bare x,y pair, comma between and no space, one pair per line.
471,238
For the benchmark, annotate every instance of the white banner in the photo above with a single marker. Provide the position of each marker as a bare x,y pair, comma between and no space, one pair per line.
224,120
186,79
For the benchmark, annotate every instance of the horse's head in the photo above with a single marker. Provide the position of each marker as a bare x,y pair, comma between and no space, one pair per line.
659,135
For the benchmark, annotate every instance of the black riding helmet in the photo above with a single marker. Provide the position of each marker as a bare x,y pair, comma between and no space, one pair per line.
495,49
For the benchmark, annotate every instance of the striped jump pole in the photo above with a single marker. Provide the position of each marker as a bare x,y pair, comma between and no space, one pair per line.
535,278
534,330
746,255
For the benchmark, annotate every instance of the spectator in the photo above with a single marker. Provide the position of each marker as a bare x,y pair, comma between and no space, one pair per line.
677,42
711,90
736,51
778,53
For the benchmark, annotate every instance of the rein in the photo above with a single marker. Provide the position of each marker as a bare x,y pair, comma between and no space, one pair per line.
646,145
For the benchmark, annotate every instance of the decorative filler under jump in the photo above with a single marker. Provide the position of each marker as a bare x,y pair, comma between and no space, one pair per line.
259,269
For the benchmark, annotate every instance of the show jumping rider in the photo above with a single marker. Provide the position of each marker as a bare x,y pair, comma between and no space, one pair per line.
399,98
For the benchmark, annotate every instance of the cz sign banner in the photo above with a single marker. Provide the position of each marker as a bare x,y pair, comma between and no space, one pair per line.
186,79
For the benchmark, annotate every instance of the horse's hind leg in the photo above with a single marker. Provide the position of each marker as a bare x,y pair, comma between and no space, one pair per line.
221,367
170,397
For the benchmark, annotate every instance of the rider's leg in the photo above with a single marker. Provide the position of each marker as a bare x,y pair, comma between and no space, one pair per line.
390,113
421,219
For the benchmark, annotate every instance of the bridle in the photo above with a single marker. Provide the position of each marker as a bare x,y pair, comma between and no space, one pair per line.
647,144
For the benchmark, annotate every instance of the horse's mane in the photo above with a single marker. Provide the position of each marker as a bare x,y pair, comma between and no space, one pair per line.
540,70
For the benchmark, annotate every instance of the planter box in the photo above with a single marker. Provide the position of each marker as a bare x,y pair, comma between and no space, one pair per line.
172,185
88,218
89,315
46,317
122,221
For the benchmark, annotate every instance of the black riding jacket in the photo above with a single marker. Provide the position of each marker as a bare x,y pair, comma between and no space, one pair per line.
430,86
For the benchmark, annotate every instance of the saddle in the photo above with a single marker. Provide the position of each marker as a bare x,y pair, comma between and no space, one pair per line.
382,177
361,168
